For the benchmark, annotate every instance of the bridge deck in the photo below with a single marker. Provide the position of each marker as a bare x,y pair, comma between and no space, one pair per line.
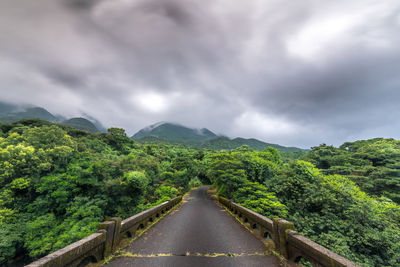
198,234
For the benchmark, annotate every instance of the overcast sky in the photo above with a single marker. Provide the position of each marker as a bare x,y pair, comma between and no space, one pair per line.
297,73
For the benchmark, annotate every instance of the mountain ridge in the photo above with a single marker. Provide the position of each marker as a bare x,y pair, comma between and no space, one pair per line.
161,132
10,113
81,124
204,139
173,132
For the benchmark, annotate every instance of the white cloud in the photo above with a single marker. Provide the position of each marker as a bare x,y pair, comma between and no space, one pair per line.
319,35
289,72
155,102
151,102
273,129
340,24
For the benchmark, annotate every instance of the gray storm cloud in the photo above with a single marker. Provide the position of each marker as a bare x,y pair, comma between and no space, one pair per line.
299,74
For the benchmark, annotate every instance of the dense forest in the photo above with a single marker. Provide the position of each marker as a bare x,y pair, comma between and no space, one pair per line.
57,183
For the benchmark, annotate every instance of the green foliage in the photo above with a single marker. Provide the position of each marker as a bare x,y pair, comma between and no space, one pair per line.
240,173
333,211
11,240
166,192
195,182
162,194
46,233
374,165
58,183
262,166
46,137
226,170
117,139
135,182
257,198
233,169
329,209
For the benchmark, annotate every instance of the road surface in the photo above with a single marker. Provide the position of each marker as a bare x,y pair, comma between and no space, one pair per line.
199,233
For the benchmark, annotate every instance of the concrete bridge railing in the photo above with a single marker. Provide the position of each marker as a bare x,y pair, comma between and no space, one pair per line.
288,243
98,246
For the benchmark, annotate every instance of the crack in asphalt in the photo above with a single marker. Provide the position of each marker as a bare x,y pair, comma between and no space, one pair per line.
207,255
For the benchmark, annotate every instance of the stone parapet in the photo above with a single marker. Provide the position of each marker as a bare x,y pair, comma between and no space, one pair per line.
102,244
287,242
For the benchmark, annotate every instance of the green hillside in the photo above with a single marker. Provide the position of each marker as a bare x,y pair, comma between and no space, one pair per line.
225,143
175,133
151,140
201,138
7,108
100,127
27,113
10,113
81,124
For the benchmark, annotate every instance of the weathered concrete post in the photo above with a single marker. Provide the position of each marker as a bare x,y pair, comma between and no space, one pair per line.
109,226
117,232
280,227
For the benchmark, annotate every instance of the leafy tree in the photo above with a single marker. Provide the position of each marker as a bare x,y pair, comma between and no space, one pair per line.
257,198
260,167
333,211
226,171
47,137
117,139
194,182
373,164
116,131
58,183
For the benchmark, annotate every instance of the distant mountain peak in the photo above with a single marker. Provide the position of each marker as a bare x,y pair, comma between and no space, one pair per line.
100,127
155,125
205,131
174,132
14,112
81,124
10,113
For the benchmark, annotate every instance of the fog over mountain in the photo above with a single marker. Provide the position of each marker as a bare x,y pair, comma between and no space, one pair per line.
297,73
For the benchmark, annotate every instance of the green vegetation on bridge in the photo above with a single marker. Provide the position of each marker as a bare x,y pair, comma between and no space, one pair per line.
57,183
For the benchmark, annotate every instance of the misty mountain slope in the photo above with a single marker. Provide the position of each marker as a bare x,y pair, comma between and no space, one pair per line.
226,143
10,113
81,124
100,127
28,113
203,138
7,108
175,133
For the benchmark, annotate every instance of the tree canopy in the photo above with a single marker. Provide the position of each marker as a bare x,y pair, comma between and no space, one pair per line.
57,183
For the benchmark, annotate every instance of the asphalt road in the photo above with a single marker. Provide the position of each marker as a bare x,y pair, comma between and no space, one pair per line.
199,233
